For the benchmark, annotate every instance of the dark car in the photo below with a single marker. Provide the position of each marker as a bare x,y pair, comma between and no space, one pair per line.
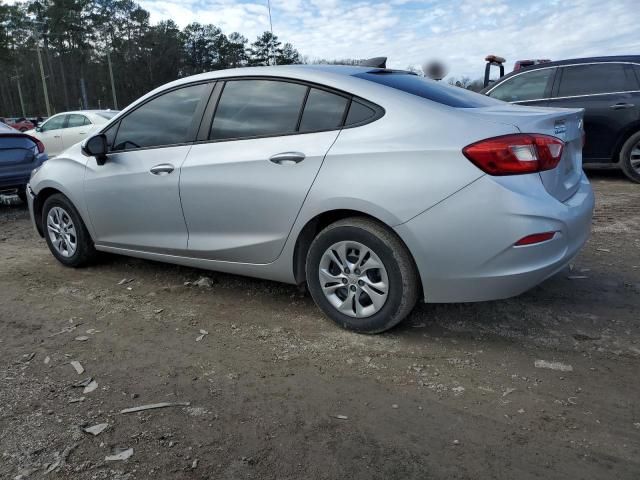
19,155
608,88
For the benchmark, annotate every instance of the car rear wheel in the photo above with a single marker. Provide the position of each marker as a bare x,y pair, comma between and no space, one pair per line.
630,157
66,233
361,275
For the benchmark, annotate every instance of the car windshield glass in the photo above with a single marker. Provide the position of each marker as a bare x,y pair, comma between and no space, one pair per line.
431,90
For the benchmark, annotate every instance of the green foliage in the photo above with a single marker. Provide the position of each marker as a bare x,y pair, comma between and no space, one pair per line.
75,36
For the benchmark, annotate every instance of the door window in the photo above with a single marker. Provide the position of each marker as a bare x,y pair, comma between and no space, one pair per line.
76,120
594,79
165,120
322,111
54,123
526,86
251,108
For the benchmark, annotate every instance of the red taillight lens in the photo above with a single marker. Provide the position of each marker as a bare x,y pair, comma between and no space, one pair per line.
515,154
535,238
38,143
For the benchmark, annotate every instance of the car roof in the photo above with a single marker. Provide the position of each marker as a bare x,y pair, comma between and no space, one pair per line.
571,61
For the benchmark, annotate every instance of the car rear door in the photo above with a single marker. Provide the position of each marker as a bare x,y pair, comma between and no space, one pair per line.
609,94
243,185
134,199
78,126
531,87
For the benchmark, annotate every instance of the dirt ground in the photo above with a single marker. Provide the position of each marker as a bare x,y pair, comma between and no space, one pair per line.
276,391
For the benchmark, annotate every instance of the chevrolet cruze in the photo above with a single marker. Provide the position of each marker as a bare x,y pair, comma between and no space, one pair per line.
375,187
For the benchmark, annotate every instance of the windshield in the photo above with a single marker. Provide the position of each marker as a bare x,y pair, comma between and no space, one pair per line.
430,89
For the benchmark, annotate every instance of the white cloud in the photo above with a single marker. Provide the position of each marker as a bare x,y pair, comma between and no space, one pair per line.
412,31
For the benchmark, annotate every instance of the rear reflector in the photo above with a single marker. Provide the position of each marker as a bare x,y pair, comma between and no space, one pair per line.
515,154
535,238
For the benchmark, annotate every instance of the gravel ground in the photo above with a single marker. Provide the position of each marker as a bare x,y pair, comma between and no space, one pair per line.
544,385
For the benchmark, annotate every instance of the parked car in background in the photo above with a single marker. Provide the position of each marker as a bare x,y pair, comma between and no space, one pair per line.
62,130
608,88
21,124
376,187
19,155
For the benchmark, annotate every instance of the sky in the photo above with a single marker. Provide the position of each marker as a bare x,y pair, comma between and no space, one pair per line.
411,32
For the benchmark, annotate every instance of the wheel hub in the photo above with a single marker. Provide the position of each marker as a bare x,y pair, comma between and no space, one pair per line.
353,279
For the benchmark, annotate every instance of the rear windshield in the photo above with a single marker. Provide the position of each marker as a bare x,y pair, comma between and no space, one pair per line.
108,115
15,141
431,90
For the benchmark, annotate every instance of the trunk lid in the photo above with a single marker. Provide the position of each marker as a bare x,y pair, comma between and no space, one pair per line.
564,123
16,149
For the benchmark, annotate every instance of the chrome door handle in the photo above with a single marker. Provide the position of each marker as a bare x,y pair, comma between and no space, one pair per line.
162,169
287,158
620,106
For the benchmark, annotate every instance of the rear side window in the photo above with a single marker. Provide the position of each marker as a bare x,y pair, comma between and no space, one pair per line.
526,86
165,120
594,79
251,108
431,90
322,111
76,120
359,113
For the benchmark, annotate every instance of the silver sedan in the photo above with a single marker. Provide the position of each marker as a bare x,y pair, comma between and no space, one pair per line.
375,187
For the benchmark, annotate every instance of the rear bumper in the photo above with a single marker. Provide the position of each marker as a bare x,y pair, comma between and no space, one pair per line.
464,246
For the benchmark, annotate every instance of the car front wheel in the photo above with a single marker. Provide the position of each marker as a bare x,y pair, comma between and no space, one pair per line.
361,275
66,233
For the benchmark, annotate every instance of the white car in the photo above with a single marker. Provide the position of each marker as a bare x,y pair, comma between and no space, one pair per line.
61,131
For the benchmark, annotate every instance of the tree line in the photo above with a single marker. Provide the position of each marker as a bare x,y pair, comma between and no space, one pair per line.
76,43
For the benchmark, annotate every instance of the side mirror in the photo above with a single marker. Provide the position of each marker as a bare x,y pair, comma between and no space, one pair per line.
96,146
38,129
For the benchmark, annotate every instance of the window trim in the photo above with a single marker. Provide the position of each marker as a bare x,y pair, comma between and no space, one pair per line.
551,97
209,104
379,111
193,128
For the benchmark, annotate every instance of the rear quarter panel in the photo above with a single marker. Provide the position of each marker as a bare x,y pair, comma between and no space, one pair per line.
402,164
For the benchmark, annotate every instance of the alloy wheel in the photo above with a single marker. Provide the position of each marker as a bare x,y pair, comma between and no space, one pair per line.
353,279
62,232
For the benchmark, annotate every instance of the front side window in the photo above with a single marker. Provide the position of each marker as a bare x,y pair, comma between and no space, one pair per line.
251,108
76,120
526,86
165,120
54,123
594,79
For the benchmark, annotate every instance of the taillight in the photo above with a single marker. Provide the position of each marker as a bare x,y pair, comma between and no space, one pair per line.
38,143
515,154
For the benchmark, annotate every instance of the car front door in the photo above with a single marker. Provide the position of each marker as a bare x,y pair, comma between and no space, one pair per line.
244,184
134,199
50,134
78,126
527,88
609,94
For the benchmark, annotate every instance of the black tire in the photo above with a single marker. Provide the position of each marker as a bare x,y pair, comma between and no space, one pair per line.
85,252
404,284
22,194
625,157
